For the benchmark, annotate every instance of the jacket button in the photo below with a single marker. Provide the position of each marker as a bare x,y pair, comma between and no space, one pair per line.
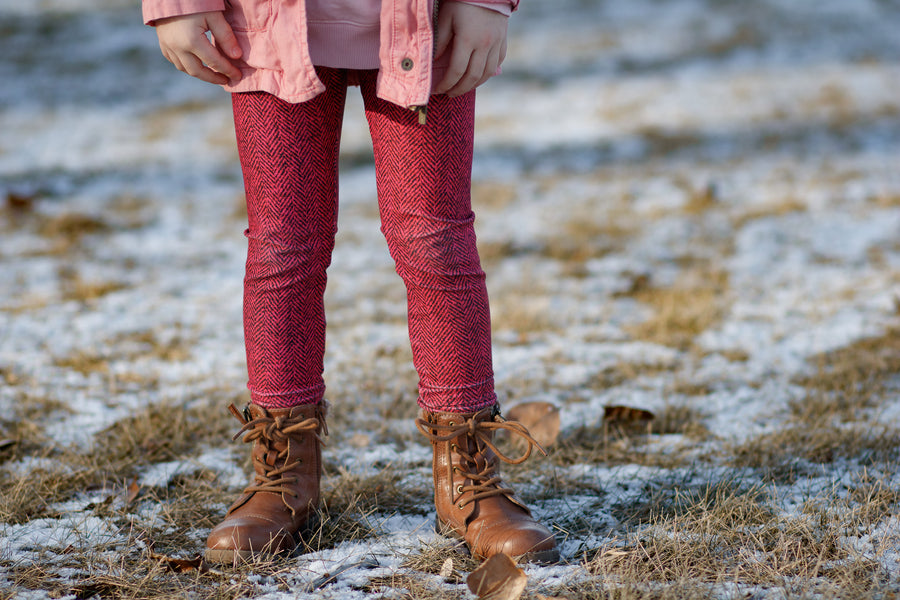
406,64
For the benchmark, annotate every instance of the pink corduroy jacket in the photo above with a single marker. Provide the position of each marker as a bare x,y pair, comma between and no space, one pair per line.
272,36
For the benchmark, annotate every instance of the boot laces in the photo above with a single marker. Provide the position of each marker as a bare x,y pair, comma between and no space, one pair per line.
270,431
480,428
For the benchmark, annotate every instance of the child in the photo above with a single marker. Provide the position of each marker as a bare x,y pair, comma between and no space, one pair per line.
417,62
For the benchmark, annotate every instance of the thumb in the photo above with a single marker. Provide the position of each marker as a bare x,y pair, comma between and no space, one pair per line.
224,36
444,33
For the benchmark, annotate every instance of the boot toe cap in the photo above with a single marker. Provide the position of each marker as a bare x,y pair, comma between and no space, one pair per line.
251,536
530,541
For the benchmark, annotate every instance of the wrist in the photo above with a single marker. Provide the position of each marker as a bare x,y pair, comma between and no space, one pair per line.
504,7
156,10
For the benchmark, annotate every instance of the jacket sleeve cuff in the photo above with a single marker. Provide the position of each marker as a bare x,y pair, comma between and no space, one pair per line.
161,9
504,7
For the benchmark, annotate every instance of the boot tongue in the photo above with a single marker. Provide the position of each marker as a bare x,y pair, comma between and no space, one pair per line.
271,457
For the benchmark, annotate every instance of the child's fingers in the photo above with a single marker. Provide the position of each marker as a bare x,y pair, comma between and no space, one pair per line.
214,59
474,72
194,67
184,43
491,65
456,70
476,38
223,34
443,34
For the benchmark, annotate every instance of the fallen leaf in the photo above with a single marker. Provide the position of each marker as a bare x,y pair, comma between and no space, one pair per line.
540,418
627,414
17,201
183,565
446,569
132,492
498,578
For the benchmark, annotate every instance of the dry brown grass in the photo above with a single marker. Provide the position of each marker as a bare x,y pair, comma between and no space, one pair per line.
159,433
149,343
695,303
414,587
123,573
582,236
84,362
728,535
620,444
778,209
124,348
781,454
527,318
75,287
493,195
850,381
67,230
838,417
430,558
586,236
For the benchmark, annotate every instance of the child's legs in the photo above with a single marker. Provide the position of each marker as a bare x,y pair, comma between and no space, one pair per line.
424,183
289,156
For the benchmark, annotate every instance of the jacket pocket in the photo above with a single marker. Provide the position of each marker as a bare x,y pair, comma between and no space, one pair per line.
248,15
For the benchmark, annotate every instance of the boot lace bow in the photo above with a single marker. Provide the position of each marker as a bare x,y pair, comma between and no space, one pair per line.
271,431
482,471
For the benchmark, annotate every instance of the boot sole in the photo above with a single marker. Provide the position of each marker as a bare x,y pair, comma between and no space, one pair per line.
541,557
235,557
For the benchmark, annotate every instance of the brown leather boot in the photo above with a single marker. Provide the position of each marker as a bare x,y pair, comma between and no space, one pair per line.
471,501
284,494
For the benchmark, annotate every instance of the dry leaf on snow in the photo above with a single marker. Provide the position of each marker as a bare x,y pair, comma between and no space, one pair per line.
498,578
446,569
132,492
626,414
540,418
183,565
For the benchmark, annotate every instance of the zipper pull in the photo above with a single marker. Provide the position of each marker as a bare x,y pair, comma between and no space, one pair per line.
422,111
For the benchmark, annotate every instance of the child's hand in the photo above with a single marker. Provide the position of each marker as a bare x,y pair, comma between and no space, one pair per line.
184,43
476,38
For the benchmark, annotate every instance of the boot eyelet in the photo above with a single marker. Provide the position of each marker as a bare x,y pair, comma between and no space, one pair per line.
460,506
451,423
459,489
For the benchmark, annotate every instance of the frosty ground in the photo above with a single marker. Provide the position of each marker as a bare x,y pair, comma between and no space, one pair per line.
690,207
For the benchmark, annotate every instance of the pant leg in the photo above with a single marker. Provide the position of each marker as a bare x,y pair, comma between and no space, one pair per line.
289,158
423,174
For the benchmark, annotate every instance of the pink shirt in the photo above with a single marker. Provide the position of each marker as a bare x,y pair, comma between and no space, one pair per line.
345,34
275,55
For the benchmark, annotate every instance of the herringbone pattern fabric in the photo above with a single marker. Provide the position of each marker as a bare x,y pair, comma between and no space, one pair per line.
423,174
289,157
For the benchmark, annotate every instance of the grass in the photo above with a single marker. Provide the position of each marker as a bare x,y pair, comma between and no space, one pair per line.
664,509
696,302
800,506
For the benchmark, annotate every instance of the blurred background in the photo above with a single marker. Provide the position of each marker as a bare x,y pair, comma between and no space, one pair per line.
687,206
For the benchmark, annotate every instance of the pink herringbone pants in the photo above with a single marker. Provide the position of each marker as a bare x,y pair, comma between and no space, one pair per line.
289,157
